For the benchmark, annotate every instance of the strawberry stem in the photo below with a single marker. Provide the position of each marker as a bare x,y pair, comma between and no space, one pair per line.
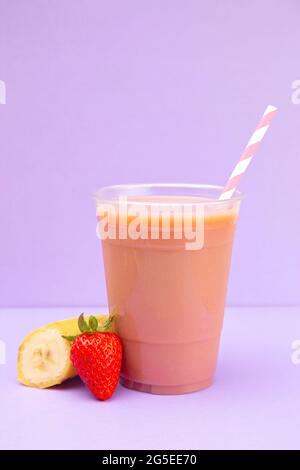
92,326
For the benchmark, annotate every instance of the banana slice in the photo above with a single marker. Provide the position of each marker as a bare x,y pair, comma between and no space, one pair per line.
44,356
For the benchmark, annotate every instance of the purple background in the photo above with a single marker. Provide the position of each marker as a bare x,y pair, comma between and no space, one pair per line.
103,92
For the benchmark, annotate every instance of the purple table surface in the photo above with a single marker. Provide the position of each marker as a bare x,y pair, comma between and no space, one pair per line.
253,404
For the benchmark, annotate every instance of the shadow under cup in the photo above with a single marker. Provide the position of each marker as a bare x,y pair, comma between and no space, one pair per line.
168,293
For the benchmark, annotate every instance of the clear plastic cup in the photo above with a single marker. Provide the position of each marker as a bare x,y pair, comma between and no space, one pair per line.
168,292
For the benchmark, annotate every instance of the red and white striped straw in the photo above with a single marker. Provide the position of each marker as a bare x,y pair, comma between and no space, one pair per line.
249,152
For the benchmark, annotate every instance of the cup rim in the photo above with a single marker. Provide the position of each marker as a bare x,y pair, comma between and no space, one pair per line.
238,195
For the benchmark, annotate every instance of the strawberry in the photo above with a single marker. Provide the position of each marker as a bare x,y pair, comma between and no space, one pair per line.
96,355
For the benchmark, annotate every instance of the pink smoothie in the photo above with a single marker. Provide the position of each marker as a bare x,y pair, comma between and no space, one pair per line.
170,303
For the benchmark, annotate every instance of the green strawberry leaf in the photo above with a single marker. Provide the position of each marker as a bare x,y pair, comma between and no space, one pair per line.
93,323
107,325
82,324
69,338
